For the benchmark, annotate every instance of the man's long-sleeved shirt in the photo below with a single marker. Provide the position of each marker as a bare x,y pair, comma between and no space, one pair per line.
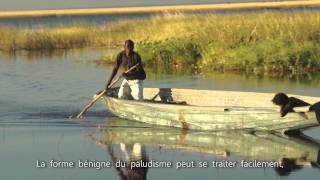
128,62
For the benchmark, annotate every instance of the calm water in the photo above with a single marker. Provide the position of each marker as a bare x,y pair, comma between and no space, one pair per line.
38,92
61,4
52,21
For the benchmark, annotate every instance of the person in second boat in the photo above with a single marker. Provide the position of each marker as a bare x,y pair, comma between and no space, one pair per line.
288,103
133,80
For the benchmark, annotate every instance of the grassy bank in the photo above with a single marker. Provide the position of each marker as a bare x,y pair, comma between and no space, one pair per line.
262,42
270,42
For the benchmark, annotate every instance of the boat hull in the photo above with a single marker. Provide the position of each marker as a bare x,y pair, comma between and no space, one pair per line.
210,118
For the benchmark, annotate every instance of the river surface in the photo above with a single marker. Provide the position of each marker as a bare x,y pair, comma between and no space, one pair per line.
63,4
39,92
92,20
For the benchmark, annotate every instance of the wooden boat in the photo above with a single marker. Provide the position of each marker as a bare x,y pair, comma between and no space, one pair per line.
211,110
235,144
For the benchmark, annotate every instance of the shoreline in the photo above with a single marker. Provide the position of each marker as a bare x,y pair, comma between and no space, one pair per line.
159,9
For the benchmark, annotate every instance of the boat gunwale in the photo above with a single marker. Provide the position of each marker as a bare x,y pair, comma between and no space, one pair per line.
239,108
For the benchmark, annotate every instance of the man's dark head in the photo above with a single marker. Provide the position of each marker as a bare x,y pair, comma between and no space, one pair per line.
128,46
280,99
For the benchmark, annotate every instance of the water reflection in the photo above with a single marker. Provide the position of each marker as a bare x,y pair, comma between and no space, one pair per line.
57,54
133,138
291,164
88,55
132,153
123,156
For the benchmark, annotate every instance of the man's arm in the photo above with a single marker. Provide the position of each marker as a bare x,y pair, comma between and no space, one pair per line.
293,102
139,68
286,109
114,71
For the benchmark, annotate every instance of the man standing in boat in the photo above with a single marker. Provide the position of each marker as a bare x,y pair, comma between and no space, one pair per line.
133,80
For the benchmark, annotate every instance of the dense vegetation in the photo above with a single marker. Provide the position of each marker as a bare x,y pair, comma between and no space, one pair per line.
261,42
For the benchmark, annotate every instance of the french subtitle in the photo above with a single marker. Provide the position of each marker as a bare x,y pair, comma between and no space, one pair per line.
98,165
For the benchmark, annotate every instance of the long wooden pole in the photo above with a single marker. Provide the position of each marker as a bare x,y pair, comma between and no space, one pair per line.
95,98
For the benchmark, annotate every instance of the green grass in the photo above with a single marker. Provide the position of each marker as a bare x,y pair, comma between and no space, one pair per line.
259,43
269,42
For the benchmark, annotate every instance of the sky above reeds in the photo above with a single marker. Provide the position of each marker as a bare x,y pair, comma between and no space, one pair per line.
61,4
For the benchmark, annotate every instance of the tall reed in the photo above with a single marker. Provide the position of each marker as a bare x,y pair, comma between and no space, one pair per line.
256,42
